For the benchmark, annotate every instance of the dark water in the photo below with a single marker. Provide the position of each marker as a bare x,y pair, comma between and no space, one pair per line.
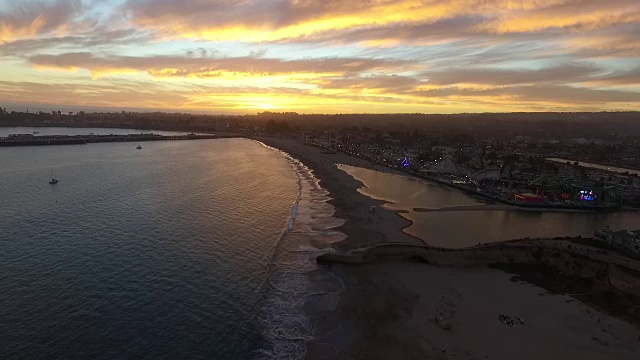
172,251
454,228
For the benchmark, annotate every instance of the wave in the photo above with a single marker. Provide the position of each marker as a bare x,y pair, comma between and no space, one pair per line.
284,325
294,209
313,250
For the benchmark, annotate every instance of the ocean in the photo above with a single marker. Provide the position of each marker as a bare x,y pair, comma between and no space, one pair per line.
183,249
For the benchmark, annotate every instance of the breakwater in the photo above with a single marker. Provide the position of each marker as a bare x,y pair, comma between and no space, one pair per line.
32,140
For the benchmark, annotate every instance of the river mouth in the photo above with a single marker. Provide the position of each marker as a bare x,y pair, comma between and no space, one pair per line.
448,218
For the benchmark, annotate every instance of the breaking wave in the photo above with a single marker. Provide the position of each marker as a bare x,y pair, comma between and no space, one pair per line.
283,322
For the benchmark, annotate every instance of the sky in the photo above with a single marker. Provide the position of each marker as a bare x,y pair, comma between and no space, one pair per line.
321,56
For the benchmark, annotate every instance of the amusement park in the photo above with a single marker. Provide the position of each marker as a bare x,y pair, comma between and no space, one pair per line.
522,180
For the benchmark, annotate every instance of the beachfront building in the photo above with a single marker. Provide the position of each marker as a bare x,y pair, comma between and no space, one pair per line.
529,198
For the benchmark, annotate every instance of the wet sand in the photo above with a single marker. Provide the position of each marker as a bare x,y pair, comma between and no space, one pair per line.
361,226
411,310
454,313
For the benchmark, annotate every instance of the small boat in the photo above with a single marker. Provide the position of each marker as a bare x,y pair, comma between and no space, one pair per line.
53,180
138,147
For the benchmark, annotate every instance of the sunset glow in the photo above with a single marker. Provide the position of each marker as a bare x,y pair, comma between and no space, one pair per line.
333,56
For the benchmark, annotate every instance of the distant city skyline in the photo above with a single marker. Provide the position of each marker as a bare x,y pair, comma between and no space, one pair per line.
333,56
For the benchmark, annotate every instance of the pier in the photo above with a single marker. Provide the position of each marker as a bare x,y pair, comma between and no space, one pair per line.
33,140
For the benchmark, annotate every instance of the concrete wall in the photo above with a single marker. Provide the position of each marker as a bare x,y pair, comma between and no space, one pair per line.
606,275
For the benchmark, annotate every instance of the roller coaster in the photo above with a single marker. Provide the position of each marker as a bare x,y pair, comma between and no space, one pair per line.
449,167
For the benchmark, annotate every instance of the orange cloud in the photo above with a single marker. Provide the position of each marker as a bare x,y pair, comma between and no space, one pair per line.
33,18
622,42
403,55
153,95
289,20
176,66
10,32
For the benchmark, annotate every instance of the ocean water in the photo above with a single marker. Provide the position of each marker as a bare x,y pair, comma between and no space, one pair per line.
185,249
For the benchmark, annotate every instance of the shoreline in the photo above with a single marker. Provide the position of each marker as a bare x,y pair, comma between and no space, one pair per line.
350,205
489,199
314,226
334,332
405,308
383,311
507,207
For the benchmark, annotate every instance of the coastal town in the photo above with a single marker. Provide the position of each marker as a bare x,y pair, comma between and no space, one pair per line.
519,171
582,174
320,180
601,268
525,162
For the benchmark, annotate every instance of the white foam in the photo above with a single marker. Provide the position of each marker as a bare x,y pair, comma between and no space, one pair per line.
283,350
284,324
308,249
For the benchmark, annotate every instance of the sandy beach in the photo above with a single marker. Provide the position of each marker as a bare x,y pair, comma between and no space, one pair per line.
362,227
412,310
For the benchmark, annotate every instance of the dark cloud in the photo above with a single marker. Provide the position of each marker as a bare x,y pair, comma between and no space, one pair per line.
547,85
267,14
494,53
93,39
454,78
378,20
537,93
498,77
208,67
619,42
451,29
30,18
620,77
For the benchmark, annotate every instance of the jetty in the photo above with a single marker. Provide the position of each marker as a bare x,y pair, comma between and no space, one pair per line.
33,140
570,256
